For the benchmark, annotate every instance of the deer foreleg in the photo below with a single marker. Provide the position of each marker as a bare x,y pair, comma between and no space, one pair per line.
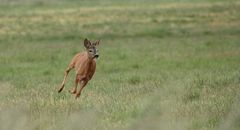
64,79
83,84
74,90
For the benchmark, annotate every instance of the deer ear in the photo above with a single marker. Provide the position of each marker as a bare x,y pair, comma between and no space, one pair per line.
97,42
87,43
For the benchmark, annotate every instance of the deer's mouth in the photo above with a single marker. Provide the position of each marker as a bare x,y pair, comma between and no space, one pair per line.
96,56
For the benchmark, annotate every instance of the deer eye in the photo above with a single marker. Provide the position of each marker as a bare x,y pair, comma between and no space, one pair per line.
90,50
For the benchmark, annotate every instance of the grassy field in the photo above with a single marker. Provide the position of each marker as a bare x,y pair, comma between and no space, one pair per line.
167,65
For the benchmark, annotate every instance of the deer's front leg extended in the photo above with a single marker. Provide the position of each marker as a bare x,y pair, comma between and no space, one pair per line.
64,79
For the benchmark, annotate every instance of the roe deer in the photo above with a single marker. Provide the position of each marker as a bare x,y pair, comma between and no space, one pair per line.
84,64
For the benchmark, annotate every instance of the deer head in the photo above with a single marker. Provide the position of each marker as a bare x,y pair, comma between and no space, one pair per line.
91,48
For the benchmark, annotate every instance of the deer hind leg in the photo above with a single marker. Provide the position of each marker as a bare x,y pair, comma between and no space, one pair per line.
83,84
74,90
65,77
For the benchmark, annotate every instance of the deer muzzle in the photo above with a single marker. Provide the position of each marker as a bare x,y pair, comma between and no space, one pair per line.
96,56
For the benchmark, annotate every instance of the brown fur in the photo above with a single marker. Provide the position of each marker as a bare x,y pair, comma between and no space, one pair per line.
85,66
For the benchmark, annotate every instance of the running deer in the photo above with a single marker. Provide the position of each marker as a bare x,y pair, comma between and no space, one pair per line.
84,64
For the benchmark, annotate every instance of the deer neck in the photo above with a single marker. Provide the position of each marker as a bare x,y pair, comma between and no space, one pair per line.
89,58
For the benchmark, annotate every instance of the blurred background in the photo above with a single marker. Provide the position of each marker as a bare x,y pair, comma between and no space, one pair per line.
164,64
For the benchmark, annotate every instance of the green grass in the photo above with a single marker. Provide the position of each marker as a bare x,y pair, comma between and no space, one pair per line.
163,64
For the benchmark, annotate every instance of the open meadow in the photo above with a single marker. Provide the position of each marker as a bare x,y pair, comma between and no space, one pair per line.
163,65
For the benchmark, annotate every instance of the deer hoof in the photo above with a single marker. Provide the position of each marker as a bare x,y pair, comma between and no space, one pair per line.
72,91
60,90
77,95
